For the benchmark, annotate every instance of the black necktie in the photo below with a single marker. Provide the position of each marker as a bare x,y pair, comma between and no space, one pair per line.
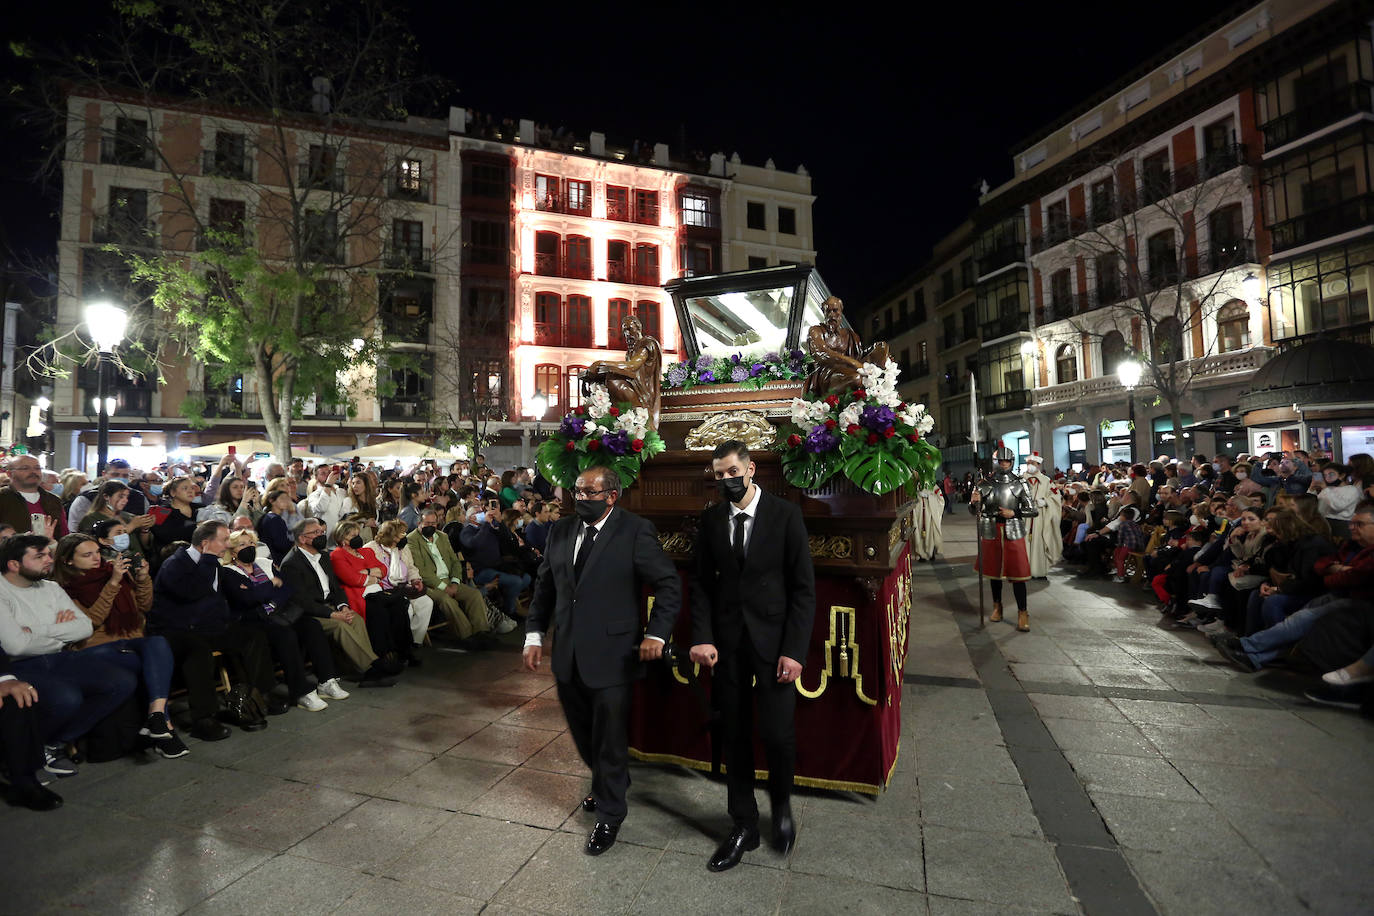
583,552
739,538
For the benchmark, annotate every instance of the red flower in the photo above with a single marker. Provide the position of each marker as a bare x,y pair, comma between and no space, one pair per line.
637,445
889,433
569,446
902,406
833,400
830,424
593,445
614,411
872,438
914,437
852,429
794,440
860,393
579,410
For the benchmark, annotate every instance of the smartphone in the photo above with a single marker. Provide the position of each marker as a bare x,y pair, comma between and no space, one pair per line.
233,449
38,523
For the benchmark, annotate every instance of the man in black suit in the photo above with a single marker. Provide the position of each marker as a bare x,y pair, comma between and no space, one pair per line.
753,602
589,590
21,740
315,591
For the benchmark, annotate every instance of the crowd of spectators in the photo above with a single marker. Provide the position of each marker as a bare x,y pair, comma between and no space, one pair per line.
1270,556
249,591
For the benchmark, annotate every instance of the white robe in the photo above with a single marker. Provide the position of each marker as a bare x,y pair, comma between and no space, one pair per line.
1043,541
928,536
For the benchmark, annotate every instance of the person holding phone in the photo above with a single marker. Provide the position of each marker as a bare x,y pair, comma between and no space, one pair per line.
26,505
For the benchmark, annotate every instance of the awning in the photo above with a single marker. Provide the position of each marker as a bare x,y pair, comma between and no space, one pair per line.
1231,424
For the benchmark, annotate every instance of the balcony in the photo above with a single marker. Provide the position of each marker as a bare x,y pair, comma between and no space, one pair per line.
546,265
216,165
408,187
411,258
1056,232
1004,325
618,210
1205,371
550,202
324,410
949,389
232,404
1228,254
1328,109
1000,257
123,230
1344,216
911,371
410,323
1219,161
320,176
221,238
1067,306
410,407
551,334
578,269
135,152
1006,401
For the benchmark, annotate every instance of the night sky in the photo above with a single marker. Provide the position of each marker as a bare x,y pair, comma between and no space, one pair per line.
896,116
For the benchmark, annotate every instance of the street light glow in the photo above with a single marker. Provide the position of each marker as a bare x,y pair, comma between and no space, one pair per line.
1251,287
540,404
1128,371
106,323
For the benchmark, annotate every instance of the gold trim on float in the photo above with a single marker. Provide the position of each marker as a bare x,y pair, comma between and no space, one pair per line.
849,616
811,782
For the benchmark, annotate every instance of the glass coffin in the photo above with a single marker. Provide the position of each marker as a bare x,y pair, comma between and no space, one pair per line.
749,311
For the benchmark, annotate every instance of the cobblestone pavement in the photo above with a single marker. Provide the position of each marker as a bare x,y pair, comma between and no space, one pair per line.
1097,764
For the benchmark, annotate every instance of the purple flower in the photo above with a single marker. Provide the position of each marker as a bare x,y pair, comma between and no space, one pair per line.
877,418
798,356
706,375
757,369
677,375
820,440
703,361
572,427
739,374
770,357
617,443
735,359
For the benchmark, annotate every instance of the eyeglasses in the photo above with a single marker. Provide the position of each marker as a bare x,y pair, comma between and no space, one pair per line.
580,493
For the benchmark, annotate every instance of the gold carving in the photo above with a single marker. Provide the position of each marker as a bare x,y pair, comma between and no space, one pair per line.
842,620
836,547
676,542
898,619
748,426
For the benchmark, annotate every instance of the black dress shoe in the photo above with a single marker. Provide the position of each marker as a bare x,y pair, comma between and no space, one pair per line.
601,838
209,730
784,832
34,797
277,707
589,803
728,853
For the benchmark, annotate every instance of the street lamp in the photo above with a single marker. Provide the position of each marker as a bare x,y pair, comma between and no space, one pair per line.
1251,287
540,404
106,323
1128,371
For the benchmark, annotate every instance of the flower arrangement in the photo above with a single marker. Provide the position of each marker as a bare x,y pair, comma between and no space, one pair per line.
869,433
599,433
751,371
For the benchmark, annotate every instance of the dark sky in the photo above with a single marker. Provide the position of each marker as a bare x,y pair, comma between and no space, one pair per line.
896,116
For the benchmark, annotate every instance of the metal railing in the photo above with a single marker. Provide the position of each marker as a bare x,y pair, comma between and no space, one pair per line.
410,328
1007,400
1003,325
1000,257
107,229
414,258
1330,108
232,404
405,408
1342,216
214,164
407,187
1216,369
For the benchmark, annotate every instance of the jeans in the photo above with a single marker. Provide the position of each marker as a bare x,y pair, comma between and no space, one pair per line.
75,691
1276,607
150,657
1215,577
511,586
1270,643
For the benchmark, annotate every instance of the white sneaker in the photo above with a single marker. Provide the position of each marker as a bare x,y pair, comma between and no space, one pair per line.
1216,626
331,690
1342,678
1118,579
505,624
1209,601
311,702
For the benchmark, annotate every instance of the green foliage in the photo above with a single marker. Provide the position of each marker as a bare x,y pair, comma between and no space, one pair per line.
582,442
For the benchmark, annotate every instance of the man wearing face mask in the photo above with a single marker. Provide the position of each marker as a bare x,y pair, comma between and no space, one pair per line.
753,604
589,592
481,542
441,570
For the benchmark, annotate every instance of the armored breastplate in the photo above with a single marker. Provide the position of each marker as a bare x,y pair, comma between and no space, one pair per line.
1004,491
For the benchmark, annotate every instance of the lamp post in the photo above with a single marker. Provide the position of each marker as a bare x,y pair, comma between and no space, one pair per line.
1128,371
106,323
540,403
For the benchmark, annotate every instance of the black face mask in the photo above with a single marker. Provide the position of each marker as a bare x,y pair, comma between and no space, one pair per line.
401,542
320,542
733,488
356,542
427,531
590,510
247,554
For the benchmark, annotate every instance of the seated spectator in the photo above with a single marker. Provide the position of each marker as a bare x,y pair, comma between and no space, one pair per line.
27,506
387,613
439,567
260,600
391,500
1348,575
110,501
1308,510
1243,544
316,589
190,609
38,624
272,527
1337,499
1171,585
508,492
392,548
537,531
483,543
1292,586
115,596
73,483
235,497
180,522
1130,538
21,742
360,504
413,497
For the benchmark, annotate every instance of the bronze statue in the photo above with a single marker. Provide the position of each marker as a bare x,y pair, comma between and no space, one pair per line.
838,353
637,380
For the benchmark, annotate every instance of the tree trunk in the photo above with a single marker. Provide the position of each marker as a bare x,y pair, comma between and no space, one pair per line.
275,419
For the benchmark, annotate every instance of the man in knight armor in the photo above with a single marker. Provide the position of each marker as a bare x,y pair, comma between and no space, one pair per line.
1001,502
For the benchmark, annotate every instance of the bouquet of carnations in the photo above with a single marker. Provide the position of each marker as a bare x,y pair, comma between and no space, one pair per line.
599,433
747,371
869,434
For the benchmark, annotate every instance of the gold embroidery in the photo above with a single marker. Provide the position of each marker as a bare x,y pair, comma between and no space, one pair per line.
842,620
836,547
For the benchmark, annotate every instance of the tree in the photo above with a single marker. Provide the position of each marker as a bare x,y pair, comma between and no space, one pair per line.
281,283
474,364
1167,253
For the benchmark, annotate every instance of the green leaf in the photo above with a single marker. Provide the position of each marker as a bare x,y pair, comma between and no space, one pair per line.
876,470
558,465
808,470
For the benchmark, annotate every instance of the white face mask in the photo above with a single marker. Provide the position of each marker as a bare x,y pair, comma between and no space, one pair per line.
1194,520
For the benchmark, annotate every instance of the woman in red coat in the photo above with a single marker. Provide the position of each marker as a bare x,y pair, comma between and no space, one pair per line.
387,613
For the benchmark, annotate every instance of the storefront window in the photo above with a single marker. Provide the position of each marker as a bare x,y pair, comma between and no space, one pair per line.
1116,441
1167,441
1321,292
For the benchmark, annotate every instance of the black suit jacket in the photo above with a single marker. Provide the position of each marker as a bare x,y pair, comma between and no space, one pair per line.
299,575
776,586
596,620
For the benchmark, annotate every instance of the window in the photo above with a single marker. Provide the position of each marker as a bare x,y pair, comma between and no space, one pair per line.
618,203
1154,177
618,310
320,236
408,239
646,265
484,312
1056,222
1113,352
548,319
411,390
485,382
321,171
1103,201
546,245
1228,245
618,261
577,256
757,263
408,181
545,192
1108,269
947,285
787,221
579,322
647,310
902,313
646,207
698,210
487,242
579,197
919,305
1061,303
966,278
127,218
1233,326
1163,260
488,180
548,380
950,333
904,360
227,218
969,316
755,215
699,259
1065,364
129,145
229,157
574,376
1168,342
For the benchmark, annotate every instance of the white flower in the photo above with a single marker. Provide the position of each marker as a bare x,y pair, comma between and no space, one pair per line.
635,422
598,402
807,413
926,425
850,415
919,408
